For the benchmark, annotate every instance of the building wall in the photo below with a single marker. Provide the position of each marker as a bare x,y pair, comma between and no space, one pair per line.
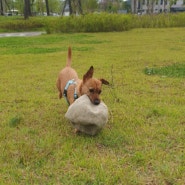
151,6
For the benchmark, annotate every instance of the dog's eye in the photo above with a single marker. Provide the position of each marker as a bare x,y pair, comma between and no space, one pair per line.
99,92
91,90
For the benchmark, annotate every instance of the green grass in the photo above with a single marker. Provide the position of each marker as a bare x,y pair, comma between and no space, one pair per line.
175,70
143,141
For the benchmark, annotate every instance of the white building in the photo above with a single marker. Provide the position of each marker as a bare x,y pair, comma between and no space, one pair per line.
156,6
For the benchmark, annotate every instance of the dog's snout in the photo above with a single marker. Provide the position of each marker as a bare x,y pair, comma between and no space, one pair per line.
96,102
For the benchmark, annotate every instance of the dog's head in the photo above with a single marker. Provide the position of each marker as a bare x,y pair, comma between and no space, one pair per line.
92,86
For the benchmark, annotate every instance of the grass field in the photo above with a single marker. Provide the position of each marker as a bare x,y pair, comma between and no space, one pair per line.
143,141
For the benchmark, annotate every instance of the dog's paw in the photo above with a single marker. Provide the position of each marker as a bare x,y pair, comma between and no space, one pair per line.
76,131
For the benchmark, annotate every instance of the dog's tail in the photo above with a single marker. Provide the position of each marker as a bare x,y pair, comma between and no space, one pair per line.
69,57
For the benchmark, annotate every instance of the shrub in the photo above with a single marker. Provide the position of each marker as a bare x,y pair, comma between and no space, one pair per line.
102,22
159,21
19,24
91,23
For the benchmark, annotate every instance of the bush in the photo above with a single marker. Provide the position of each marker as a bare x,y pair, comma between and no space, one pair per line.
91,23
102,22
19,24
159,20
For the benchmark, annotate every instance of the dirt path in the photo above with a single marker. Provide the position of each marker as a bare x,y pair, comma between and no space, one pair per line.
21,34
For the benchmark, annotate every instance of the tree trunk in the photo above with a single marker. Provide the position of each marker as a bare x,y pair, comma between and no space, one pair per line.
29,8
1,7
135,8
26,9
47,7
70,7
80,7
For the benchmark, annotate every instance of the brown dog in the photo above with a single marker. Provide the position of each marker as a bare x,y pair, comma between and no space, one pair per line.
72,87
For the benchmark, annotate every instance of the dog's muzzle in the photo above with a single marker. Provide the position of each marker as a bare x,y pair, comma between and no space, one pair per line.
96,102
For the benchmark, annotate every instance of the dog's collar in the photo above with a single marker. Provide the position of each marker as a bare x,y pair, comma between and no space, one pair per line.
70,82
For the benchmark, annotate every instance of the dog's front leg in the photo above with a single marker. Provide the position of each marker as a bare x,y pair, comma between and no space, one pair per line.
70,94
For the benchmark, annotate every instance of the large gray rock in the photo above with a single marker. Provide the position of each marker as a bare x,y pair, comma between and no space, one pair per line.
87,117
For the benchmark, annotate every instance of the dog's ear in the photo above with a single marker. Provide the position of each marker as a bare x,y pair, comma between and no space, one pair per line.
105,82
89,74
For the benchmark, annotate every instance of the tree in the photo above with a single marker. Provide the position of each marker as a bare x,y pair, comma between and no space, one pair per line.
47,7
89,5
26,8
171,2
1,7
126,6
55,6
74,6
